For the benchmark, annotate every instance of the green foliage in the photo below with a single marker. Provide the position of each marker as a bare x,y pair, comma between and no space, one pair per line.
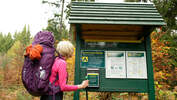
23,96
132,0
68,95
168,10
168,36
135,0
55,3
24,36
115,96
12,52
53,27
54,24
6,42
165,95
4,61
11,61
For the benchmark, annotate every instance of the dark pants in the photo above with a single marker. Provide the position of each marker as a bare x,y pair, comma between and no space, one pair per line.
58,96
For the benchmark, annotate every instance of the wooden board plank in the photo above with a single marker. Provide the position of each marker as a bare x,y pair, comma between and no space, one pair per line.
117,4
150,23
108,38
111,33
115,19
109,7
114,10
119,28
115,15
113,4
121,41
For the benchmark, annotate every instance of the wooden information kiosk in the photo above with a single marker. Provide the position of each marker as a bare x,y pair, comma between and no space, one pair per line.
113,46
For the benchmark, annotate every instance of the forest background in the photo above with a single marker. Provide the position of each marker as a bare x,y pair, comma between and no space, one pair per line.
164,56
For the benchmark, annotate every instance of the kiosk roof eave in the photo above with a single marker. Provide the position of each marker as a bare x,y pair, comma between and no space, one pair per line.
106,21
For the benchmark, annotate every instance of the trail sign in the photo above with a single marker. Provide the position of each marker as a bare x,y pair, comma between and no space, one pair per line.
114,39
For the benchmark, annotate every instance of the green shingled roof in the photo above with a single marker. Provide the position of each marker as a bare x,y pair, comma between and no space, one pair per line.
115,13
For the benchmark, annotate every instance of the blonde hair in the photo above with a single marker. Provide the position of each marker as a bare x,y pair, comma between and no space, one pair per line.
65,49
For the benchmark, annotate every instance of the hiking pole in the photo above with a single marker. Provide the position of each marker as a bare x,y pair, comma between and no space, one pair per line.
86,94
86,77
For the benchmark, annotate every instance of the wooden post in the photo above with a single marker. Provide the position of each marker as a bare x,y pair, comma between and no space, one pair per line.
77,61
151,89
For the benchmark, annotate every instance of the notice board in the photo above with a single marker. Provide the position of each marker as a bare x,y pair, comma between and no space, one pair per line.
118,64
92,59
113,67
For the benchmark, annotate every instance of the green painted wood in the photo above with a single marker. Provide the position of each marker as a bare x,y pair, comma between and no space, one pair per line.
77,61
121,16
126,13
124,3
123,85
115,13
105,7
112,4
118,46
147,32
117,22
119,85
116,19
151,89
115,10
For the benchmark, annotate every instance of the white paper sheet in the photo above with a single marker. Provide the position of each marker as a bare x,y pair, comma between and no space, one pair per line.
115,64
136,64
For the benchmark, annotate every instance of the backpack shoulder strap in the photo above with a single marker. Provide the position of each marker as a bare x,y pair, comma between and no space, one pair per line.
57,78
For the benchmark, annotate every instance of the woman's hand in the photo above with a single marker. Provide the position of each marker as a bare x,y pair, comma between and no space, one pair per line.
84,84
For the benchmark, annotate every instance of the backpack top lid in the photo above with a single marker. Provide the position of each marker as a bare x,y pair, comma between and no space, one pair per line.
44,37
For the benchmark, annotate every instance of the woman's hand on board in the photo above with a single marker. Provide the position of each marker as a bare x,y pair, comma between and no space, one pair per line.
84,84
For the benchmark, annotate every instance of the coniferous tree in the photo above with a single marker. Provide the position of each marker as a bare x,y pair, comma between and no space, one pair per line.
55,24
6,42
24,36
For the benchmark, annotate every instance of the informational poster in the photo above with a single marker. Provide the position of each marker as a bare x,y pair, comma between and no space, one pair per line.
93,79
115,64
92,59
136,64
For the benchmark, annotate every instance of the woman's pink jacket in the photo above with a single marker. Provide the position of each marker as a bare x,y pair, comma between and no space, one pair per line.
59,68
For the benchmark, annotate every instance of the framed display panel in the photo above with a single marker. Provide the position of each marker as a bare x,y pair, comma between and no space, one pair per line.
112,83
92,59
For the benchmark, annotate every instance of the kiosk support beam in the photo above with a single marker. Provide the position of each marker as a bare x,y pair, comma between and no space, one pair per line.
151,90
77,59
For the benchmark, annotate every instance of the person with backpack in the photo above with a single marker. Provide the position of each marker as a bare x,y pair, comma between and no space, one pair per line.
58,77
44,74
38,60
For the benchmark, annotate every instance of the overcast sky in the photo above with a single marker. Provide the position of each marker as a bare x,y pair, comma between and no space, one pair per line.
14,14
